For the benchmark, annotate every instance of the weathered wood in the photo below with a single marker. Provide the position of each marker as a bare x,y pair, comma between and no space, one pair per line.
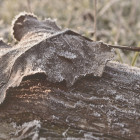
44,48
106,101
109,105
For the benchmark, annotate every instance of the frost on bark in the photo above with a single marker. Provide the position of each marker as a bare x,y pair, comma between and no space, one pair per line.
62,77
45,48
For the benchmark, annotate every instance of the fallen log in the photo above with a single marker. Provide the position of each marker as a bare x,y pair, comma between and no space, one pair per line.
107,103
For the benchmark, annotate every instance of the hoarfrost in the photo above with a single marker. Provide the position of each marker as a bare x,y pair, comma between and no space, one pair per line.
45,48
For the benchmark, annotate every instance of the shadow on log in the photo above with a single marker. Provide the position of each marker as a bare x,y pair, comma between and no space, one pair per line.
107,102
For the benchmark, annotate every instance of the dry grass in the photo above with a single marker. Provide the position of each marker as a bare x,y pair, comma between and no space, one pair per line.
118,21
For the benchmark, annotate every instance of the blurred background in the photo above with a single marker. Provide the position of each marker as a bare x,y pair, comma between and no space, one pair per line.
118,21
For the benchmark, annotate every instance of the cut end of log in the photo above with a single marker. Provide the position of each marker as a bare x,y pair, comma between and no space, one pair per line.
25,23
18,22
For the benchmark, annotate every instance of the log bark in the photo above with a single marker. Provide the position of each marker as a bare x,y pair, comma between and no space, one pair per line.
44,48
104,99
109,105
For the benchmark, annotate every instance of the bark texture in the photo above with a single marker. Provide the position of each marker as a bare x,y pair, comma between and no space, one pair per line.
45,48
104,100
109,105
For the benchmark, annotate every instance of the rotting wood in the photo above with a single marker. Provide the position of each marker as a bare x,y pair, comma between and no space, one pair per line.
62,55
108,104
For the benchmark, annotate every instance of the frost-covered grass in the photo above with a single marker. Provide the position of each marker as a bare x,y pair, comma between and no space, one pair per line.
118,21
